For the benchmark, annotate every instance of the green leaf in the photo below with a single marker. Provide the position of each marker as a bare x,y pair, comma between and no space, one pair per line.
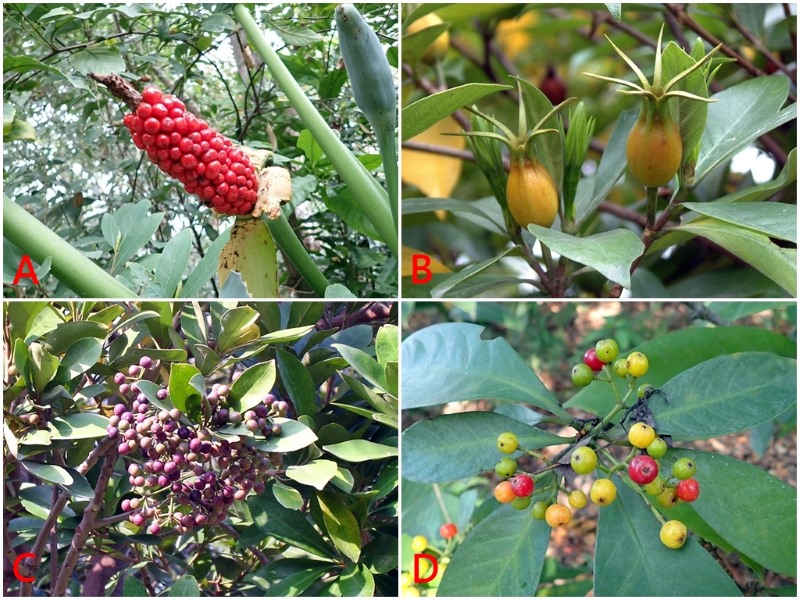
610,253
386,344
48,473
460,208
298,383
79,489
691,114
81,356
341,525
291,576
743,112
361,450
236,328
685,349
97,59
356,580
295,436
453,285
453,360
424,113
131,228
317,473
252,386
763,526
451,447
206,268
288,496
66,334
337,291
79,426
727,394
628,542
173,260
133,588
43,366
364,364
611,167
289,526
779,264
774,219
186,388
510,545
549,148
185,586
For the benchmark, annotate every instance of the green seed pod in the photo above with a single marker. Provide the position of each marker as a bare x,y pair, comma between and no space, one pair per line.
367,67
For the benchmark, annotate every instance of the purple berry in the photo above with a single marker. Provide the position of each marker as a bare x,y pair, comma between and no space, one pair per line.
163,481
270,399
195,445
112,432
251,425
239,494
188,521
146,362
175,414
139,481
235,417
119,378
119,409
137,519
170,467
124,389
161,394
126,505
200,519
261,411
184,433
123,448
154,528
134,370
195,496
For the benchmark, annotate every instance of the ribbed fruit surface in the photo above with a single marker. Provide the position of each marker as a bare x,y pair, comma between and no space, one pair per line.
188,149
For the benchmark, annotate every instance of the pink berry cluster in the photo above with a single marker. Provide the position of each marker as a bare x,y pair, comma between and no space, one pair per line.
183,475
186,148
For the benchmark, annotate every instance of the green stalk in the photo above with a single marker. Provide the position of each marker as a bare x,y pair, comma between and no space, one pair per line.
371,197
387,140
295,252
69,266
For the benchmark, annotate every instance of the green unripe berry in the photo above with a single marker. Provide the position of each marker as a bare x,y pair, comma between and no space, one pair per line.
539,510
684,468
657,448
577,499
583,460
607,350
620,369
655,487
506,467
507,442
521,503
643,389
582,375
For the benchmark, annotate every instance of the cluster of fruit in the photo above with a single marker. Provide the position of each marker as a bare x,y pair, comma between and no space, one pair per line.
605,352
642,462
187,149
185,475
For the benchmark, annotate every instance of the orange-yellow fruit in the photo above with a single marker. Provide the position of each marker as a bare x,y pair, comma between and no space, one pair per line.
558,515
440,45
503,492
654,149
531,194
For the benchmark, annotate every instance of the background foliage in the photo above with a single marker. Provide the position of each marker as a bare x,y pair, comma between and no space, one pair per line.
73,163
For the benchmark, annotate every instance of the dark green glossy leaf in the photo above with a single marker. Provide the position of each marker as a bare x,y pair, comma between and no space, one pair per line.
356,580
298,383
294,436
316,473
252,386
186,388
361,450
341,525
78,426
185,586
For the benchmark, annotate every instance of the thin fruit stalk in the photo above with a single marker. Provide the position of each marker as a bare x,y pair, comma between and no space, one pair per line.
373,87
189,150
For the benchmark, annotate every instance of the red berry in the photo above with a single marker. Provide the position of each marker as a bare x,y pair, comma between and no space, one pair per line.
522,485
688,490
144,110
590,359
642,469
448,530
151,125
160,111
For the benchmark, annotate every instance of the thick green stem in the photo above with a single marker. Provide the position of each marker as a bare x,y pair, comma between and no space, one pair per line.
387,140
296,253
69,265
372,199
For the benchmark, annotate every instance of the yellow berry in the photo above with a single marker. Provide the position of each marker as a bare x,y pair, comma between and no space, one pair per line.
603,492
419,543
673,534
577,499
558,515
641,435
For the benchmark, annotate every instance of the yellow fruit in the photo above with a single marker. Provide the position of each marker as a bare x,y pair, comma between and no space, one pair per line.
531,193
603,492
433,174
577,499
654,148
419,543
515,36
557,515
440,45
641,435
673,534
